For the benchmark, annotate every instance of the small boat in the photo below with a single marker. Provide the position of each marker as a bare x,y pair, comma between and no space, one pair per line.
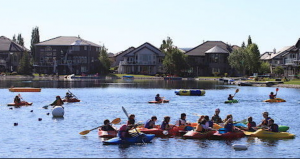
71,100
198,135
268,134
107,134
23,103
190,92
24,89
157,102
142,138
275,100
231,101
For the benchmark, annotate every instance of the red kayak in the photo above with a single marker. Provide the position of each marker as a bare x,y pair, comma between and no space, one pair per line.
198,135
175,131
23,103
107,134
157,102
228,135
71,100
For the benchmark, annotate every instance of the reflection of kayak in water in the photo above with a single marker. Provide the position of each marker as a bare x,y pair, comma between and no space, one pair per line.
156,102
23,103
232,101
275,100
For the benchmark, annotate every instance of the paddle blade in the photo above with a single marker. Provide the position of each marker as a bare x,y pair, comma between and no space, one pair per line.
84,132
237,90
124,110
277,89
116,121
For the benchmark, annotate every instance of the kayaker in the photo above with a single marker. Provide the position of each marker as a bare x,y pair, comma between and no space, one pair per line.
206,124
151,122
158,98
68,95
230,97
272,96
272,126
107,126
181,122
229,116
265,122
229,125
165,124
251,125
17,100
131,120
199,127
216,118
58,101
124,132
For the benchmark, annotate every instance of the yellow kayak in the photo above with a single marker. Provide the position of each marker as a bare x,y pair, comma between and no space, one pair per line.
268,134
275,100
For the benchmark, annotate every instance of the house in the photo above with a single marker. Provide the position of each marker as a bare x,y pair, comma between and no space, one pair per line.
66,55
10,54
210,58
145,59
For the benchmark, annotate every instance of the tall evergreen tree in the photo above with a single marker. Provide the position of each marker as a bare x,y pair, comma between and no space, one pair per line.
243,45
254,56
14,38
24,67
104,60
249,40
35,38
20,40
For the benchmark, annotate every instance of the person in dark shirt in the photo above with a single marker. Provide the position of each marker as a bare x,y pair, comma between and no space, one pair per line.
151,122
107,126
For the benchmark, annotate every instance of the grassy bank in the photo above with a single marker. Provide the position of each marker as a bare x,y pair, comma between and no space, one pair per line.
294,81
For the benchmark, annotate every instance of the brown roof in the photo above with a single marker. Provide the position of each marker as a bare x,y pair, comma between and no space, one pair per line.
7,45
67,41
202,48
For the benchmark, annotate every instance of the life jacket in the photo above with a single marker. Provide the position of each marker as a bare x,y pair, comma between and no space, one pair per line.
230,98
251,125
164,125
265,121
149,124
199,128
211,124
216,119
274,128
229,127
272,96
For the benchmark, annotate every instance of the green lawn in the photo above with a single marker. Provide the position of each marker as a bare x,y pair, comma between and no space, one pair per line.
294,81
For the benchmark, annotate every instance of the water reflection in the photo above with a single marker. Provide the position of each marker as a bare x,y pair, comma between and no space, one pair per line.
57,119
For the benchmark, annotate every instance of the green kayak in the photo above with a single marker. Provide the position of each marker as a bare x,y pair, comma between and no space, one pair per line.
281,128
232,101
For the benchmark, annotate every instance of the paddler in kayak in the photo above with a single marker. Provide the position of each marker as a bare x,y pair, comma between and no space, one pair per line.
17,100
68,96
230,97
251,125
165,124
216,118
158,98
272,95
58,101
107,126
131,120
150,124
181,122
272,126
265,122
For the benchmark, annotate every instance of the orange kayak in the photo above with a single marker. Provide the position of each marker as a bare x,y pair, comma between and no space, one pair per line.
20,104
24,89
71,100
107,134
156,102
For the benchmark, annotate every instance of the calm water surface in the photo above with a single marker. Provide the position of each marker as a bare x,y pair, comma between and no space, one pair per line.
59,137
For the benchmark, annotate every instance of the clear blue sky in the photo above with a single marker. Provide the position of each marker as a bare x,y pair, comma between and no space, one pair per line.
119,24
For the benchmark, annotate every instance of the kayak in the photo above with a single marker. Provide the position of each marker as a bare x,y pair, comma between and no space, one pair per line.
24,89
198,135
107,134
190,92
157,132
142,138
283,128
268,134
157,102
20,104
231,101
275,100
228,135
71,100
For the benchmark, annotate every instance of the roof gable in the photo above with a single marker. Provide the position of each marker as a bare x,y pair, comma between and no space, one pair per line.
202,48
217,49
143,46
7,45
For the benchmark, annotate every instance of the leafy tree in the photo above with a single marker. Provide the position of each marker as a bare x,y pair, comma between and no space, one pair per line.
24,67
279,70
104,60
264,68
14,38
175,62
249,40
254,57
20,40
35,38
243,45
239,60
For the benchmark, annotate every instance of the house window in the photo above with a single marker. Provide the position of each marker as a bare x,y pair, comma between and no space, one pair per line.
75,48
85,47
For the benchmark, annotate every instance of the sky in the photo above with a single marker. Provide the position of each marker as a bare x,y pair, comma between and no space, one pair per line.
120,24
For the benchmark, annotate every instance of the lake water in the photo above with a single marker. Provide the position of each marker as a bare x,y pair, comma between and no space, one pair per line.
60,138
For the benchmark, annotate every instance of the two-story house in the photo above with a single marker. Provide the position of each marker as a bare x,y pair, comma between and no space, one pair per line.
145,59
10,54
66,55
210,57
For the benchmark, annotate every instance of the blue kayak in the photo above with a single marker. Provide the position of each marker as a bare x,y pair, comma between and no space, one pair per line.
143,138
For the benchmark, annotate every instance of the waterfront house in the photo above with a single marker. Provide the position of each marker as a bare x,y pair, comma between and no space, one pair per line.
210,58
10,54
66,55
145,59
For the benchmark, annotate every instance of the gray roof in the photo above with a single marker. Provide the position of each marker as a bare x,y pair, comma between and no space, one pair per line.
67,41
271,55
201,49
7,45
145,45
217,49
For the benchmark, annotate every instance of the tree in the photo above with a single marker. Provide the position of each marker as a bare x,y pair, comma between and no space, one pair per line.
35,38
239,60
175,62
14,38
24,67
279,70
264,68
243,45
249,40
254,58
104,60
20,40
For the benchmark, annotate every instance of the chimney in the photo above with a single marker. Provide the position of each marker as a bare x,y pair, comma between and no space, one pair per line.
274,51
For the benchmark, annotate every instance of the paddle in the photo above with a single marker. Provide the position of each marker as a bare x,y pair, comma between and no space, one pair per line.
46,106
115,121
72,94
237,90
277,89
124,110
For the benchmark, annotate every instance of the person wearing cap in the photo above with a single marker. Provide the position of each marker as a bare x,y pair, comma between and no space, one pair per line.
265,122
230,97
151,122
216,118
58,101
272,95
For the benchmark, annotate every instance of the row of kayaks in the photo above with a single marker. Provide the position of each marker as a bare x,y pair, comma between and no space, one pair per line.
144,135
24,103
276,100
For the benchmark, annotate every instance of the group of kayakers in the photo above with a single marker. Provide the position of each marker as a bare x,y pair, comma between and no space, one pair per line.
271,96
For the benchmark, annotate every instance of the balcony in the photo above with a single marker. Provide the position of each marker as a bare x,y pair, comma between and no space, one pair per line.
137,63
292,62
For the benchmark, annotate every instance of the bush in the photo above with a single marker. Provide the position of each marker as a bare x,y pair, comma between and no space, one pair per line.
13,73
216,74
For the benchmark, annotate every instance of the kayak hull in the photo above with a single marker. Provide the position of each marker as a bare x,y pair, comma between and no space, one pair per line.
20,104
275,135
71,100
276,100
231,101
156,102
107,134
228,135
142,138
24,89
198,135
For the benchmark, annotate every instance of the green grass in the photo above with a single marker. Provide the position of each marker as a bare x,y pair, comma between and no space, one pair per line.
294,81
